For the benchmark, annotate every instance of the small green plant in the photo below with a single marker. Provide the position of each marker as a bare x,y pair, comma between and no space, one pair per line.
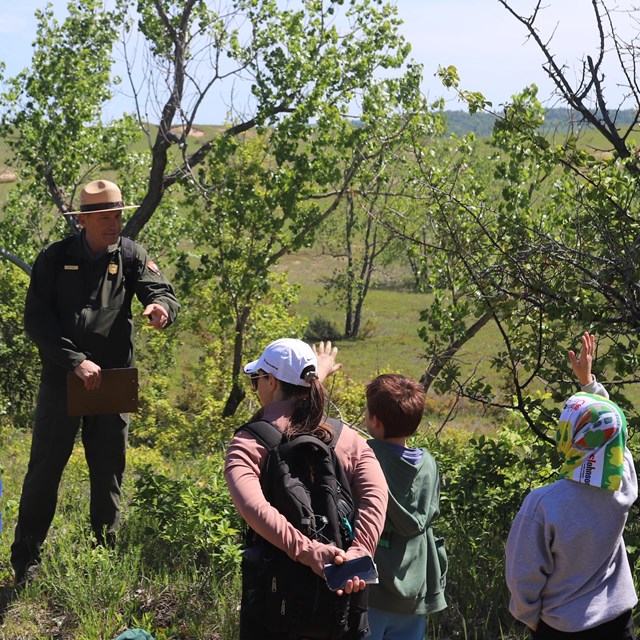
187,519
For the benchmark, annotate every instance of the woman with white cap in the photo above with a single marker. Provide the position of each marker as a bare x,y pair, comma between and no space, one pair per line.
288,380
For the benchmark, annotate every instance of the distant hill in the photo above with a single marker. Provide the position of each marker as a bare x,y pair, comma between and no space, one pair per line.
559,120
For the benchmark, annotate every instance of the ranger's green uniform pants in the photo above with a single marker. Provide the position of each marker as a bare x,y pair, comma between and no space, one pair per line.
105,441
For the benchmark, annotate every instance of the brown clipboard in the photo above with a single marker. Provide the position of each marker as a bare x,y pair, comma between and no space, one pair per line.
117,393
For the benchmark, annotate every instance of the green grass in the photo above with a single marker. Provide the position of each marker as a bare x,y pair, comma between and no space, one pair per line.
84,592
389,331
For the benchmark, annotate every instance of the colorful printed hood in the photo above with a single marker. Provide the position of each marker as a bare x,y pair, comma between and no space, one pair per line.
591,438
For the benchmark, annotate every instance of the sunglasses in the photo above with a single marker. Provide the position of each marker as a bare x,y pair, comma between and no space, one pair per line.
255,377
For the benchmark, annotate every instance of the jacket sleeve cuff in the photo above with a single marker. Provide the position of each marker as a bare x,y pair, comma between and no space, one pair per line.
595,387
75,359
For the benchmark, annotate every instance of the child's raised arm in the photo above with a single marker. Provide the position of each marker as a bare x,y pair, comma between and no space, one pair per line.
582,363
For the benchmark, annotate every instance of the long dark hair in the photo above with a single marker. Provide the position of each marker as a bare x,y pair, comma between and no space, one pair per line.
308,410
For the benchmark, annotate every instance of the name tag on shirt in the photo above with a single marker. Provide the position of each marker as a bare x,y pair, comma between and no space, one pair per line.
71,267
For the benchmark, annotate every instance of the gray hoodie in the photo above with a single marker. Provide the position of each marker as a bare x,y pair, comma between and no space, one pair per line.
566,561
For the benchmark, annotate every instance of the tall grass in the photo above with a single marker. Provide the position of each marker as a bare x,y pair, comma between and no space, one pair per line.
86,592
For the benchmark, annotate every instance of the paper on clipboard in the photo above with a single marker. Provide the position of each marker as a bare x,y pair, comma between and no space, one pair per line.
117,393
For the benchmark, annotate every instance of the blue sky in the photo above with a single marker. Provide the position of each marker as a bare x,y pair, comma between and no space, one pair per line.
486,44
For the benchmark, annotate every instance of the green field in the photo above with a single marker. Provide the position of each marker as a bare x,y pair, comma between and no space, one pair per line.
390,319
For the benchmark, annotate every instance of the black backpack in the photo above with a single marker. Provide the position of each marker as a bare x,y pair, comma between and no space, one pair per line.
304,480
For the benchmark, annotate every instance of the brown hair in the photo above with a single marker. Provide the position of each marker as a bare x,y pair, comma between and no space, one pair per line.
398,402
308,410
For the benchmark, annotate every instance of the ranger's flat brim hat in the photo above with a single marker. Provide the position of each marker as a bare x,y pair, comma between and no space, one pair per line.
99,196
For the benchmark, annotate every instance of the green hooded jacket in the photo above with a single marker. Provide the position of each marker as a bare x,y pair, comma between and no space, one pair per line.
411,561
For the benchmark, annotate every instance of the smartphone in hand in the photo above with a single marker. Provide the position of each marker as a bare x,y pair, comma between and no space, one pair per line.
337,575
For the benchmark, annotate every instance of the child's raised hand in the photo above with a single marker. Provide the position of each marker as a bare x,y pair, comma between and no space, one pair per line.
582,363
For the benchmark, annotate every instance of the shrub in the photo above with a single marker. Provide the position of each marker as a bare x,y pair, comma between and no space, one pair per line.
190,519
484,480
19,365
320,328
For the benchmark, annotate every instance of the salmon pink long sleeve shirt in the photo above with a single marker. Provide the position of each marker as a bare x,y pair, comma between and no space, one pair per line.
246,457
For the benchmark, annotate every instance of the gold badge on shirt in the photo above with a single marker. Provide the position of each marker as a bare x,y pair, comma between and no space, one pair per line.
113,268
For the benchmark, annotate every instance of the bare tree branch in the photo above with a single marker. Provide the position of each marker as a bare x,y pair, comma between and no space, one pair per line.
7,255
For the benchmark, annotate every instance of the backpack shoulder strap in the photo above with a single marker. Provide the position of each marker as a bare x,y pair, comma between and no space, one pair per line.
130,263
61,251
129,260
271,437
265,432
303,439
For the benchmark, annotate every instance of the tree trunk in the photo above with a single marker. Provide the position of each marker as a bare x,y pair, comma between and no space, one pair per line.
349,224
237,393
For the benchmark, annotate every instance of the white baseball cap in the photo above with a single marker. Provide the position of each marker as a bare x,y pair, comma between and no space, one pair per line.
288,360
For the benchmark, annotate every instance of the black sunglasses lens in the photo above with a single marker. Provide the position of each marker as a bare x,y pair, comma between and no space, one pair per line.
254,380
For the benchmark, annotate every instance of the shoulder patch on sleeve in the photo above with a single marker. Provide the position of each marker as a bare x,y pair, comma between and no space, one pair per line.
152,266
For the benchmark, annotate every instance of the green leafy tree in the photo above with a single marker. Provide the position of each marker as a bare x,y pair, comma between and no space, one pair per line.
296,60
261,206
300,66
51,119
363,237
307,71
363,243
546,248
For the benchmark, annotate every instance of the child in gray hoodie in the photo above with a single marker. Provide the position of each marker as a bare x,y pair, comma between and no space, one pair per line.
411,561
566,563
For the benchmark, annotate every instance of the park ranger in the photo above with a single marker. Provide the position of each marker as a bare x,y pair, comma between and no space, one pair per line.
78,312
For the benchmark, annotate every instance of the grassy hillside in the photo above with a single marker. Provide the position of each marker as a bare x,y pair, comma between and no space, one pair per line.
556,120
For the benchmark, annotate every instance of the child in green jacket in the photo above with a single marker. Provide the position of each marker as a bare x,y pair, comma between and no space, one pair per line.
411,561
